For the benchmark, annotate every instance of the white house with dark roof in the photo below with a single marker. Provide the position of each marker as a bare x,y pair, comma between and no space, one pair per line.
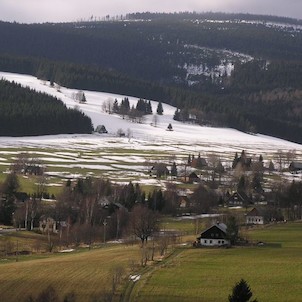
216,235
254,217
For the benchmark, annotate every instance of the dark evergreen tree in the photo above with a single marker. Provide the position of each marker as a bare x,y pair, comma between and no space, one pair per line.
271,166
124,107
174,169
256,183
241,292
7,198
141,106
160,109
232,230
83,98
235,161
176,116
115,107
241,187
149,108
156,200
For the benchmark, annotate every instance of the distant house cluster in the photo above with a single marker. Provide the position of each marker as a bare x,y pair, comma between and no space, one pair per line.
237,183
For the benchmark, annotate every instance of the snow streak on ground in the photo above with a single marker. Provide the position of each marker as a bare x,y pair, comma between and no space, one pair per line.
130,157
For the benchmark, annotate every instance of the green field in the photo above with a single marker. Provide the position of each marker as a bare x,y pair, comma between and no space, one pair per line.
274,271
86,273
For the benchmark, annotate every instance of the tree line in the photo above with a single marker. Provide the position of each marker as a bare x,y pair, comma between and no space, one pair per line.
26,112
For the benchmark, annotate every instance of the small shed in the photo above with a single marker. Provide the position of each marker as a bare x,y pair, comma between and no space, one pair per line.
295,167
101,129
216,235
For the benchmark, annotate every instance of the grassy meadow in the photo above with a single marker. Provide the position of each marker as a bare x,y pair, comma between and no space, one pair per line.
273,271
87,274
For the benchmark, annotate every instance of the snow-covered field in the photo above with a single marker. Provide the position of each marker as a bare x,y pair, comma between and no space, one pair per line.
125,158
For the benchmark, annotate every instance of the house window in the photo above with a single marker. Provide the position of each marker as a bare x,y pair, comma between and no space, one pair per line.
218,241
222,242
210,241
205,241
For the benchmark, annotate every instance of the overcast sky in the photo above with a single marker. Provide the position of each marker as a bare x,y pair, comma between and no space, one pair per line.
30,11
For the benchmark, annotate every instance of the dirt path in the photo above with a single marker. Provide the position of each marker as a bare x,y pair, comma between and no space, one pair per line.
132,288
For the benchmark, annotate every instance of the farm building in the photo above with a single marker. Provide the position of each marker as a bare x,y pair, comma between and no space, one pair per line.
215,235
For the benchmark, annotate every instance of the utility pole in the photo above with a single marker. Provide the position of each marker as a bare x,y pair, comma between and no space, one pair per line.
17,252
104,224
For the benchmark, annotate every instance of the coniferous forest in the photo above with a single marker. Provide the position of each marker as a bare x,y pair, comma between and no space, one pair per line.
25,112
151,58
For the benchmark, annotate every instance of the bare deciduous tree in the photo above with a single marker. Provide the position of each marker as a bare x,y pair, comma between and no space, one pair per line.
143,222
155,120
107,105
280,158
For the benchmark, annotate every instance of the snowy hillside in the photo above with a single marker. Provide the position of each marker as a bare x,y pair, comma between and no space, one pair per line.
183,139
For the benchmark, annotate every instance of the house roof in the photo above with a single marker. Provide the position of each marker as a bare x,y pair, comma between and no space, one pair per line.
255,212
193,175
220,227
295,166
240,196
159,166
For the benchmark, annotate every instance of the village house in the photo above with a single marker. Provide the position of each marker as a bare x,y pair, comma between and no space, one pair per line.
255,217
216,235
193,178
238,198
198,162
159,170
